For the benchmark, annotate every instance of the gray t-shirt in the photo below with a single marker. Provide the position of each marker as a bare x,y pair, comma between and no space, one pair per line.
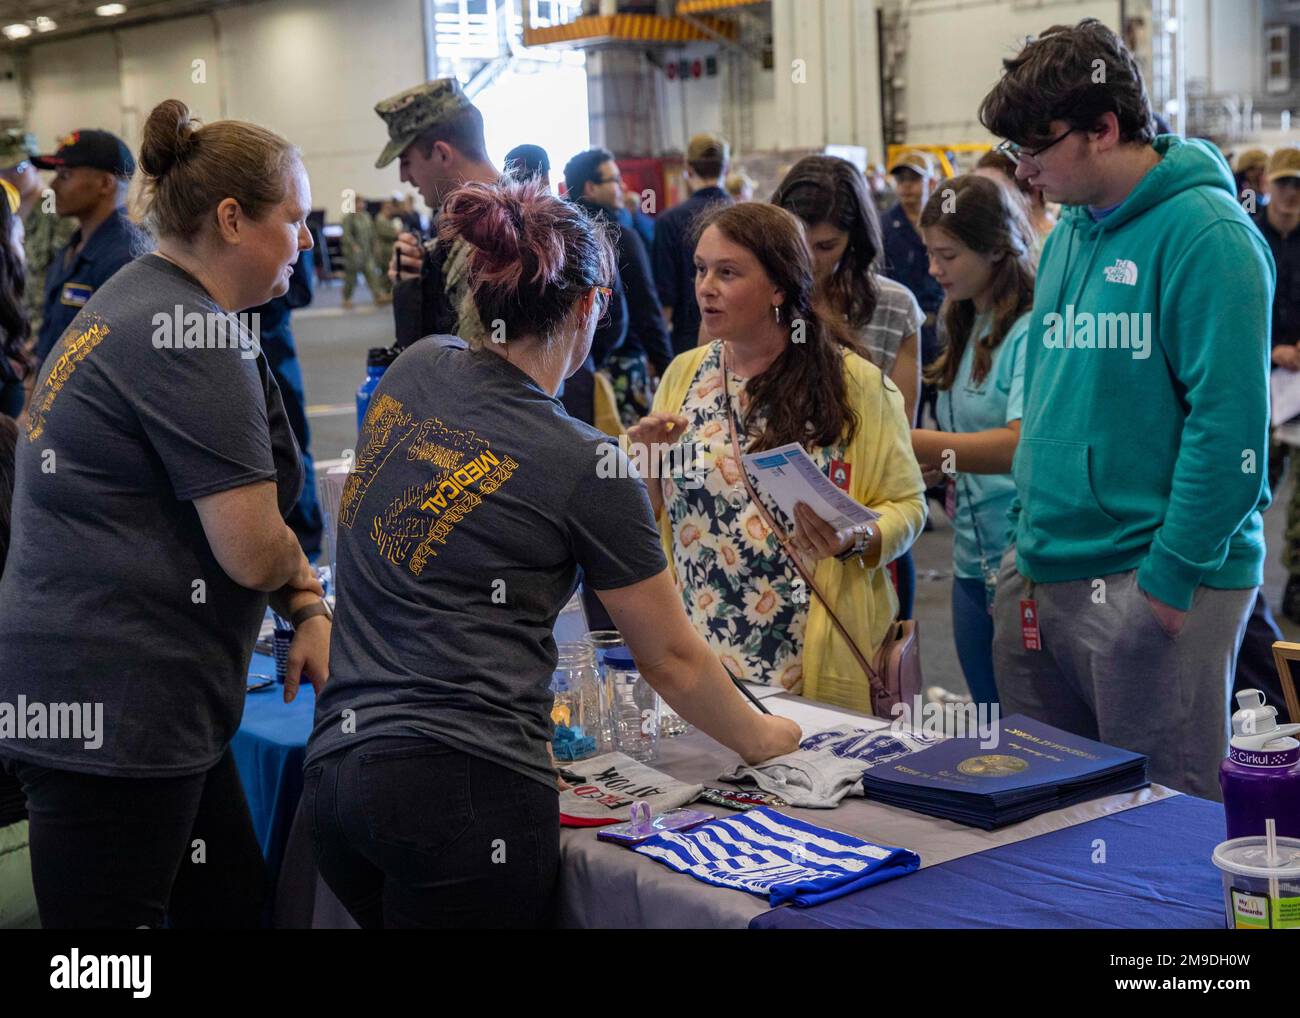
111,594
828,766
474,501
897,315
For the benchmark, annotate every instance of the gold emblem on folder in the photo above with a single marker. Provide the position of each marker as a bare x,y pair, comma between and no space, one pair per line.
995,765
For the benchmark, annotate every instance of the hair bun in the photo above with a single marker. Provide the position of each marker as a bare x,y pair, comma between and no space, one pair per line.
489,220
511,229
169,137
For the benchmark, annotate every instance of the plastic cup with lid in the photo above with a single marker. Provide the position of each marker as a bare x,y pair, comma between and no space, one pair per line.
1260,891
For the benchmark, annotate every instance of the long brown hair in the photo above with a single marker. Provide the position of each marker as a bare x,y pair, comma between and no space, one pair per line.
827,189
801,396
985,217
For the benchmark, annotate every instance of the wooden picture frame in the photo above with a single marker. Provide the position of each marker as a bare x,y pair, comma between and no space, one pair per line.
1283,654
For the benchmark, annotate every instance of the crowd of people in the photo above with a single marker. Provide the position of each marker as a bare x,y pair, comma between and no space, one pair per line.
1097,428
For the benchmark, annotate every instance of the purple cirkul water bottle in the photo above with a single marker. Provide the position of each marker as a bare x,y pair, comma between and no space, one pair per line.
1260,777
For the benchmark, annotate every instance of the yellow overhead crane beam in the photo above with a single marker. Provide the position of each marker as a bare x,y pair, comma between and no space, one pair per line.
705,6
641,28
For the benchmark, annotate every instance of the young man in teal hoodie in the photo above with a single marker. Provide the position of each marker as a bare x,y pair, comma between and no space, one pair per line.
1142,463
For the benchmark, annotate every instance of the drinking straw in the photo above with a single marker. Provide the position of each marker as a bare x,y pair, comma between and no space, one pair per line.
1270,836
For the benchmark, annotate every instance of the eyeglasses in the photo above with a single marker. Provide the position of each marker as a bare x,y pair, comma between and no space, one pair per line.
1015,152
616,179
603,296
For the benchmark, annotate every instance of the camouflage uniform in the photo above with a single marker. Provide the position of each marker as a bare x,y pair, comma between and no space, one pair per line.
386,230
1279,455
358,254
439,301
45,233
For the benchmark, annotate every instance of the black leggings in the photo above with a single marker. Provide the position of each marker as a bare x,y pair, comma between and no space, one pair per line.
409,832
113,852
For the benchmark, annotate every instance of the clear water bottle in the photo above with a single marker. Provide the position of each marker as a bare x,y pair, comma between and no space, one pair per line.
671,724
601,641
377,361
576,712
636,708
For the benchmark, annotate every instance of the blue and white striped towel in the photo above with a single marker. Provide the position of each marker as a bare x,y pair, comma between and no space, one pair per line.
768,853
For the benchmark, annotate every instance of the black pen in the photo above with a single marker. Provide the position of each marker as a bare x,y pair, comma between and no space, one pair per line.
744,689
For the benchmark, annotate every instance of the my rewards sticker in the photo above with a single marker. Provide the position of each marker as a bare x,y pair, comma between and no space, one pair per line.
1251,911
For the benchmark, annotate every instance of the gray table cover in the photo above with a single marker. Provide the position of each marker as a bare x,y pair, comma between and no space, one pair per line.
606,886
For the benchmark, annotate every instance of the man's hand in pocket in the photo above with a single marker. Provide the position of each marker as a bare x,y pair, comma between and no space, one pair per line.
1171,619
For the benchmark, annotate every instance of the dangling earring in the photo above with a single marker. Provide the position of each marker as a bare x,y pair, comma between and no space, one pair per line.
776,310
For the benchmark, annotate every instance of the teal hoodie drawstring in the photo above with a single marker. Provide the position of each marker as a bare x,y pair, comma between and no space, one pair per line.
1087,269
1081,279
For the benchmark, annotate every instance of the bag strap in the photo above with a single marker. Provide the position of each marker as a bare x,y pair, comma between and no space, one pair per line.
783,539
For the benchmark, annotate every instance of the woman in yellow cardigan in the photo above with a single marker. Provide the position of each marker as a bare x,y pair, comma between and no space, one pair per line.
793,374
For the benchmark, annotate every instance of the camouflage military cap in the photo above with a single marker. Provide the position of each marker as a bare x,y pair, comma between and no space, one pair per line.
409,114
15,146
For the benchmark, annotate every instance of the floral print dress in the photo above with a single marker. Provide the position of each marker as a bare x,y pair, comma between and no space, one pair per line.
739,587
630,379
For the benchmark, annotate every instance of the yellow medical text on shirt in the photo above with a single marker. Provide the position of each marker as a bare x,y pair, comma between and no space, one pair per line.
74,350
458,481
456,496
422,515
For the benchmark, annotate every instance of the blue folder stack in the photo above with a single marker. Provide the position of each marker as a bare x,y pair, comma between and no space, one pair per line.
1032,769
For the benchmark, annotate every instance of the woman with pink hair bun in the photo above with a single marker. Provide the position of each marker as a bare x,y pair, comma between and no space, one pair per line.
474,503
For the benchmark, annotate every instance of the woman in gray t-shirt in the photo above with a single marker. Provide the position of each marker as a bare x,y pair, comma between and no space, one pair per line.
474,502
152,477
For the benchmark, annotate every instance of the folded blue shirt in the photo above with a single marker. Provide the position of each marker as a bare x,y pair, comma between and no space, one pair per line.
787,860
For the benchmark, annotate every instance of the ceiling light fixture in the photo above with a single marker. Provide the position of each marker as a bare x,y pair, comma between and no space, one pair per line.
16,31
110,10
44,24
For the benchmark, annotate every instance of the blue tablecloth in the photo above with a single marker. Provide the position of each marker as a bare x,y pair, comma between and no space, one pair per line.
271,744
269,749
1157,873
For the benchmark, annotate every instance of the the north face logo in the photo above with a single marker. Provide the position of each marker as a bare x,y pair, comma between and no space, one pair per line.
1123,271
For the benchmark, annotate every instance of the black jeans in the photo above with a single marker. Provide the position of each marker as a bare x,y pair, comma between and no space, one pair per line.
409,832
113,852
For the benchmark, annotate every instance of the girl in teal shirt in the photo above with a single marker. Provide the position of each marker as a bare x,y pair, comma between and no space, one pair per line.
981,252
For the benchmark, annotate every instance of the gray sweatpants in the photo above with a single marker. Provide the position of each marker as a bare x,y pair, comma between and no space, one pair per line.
1108,671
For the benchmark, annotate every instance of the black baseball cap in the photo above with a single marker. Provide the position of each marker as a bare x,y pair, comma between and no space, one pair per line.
99,150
